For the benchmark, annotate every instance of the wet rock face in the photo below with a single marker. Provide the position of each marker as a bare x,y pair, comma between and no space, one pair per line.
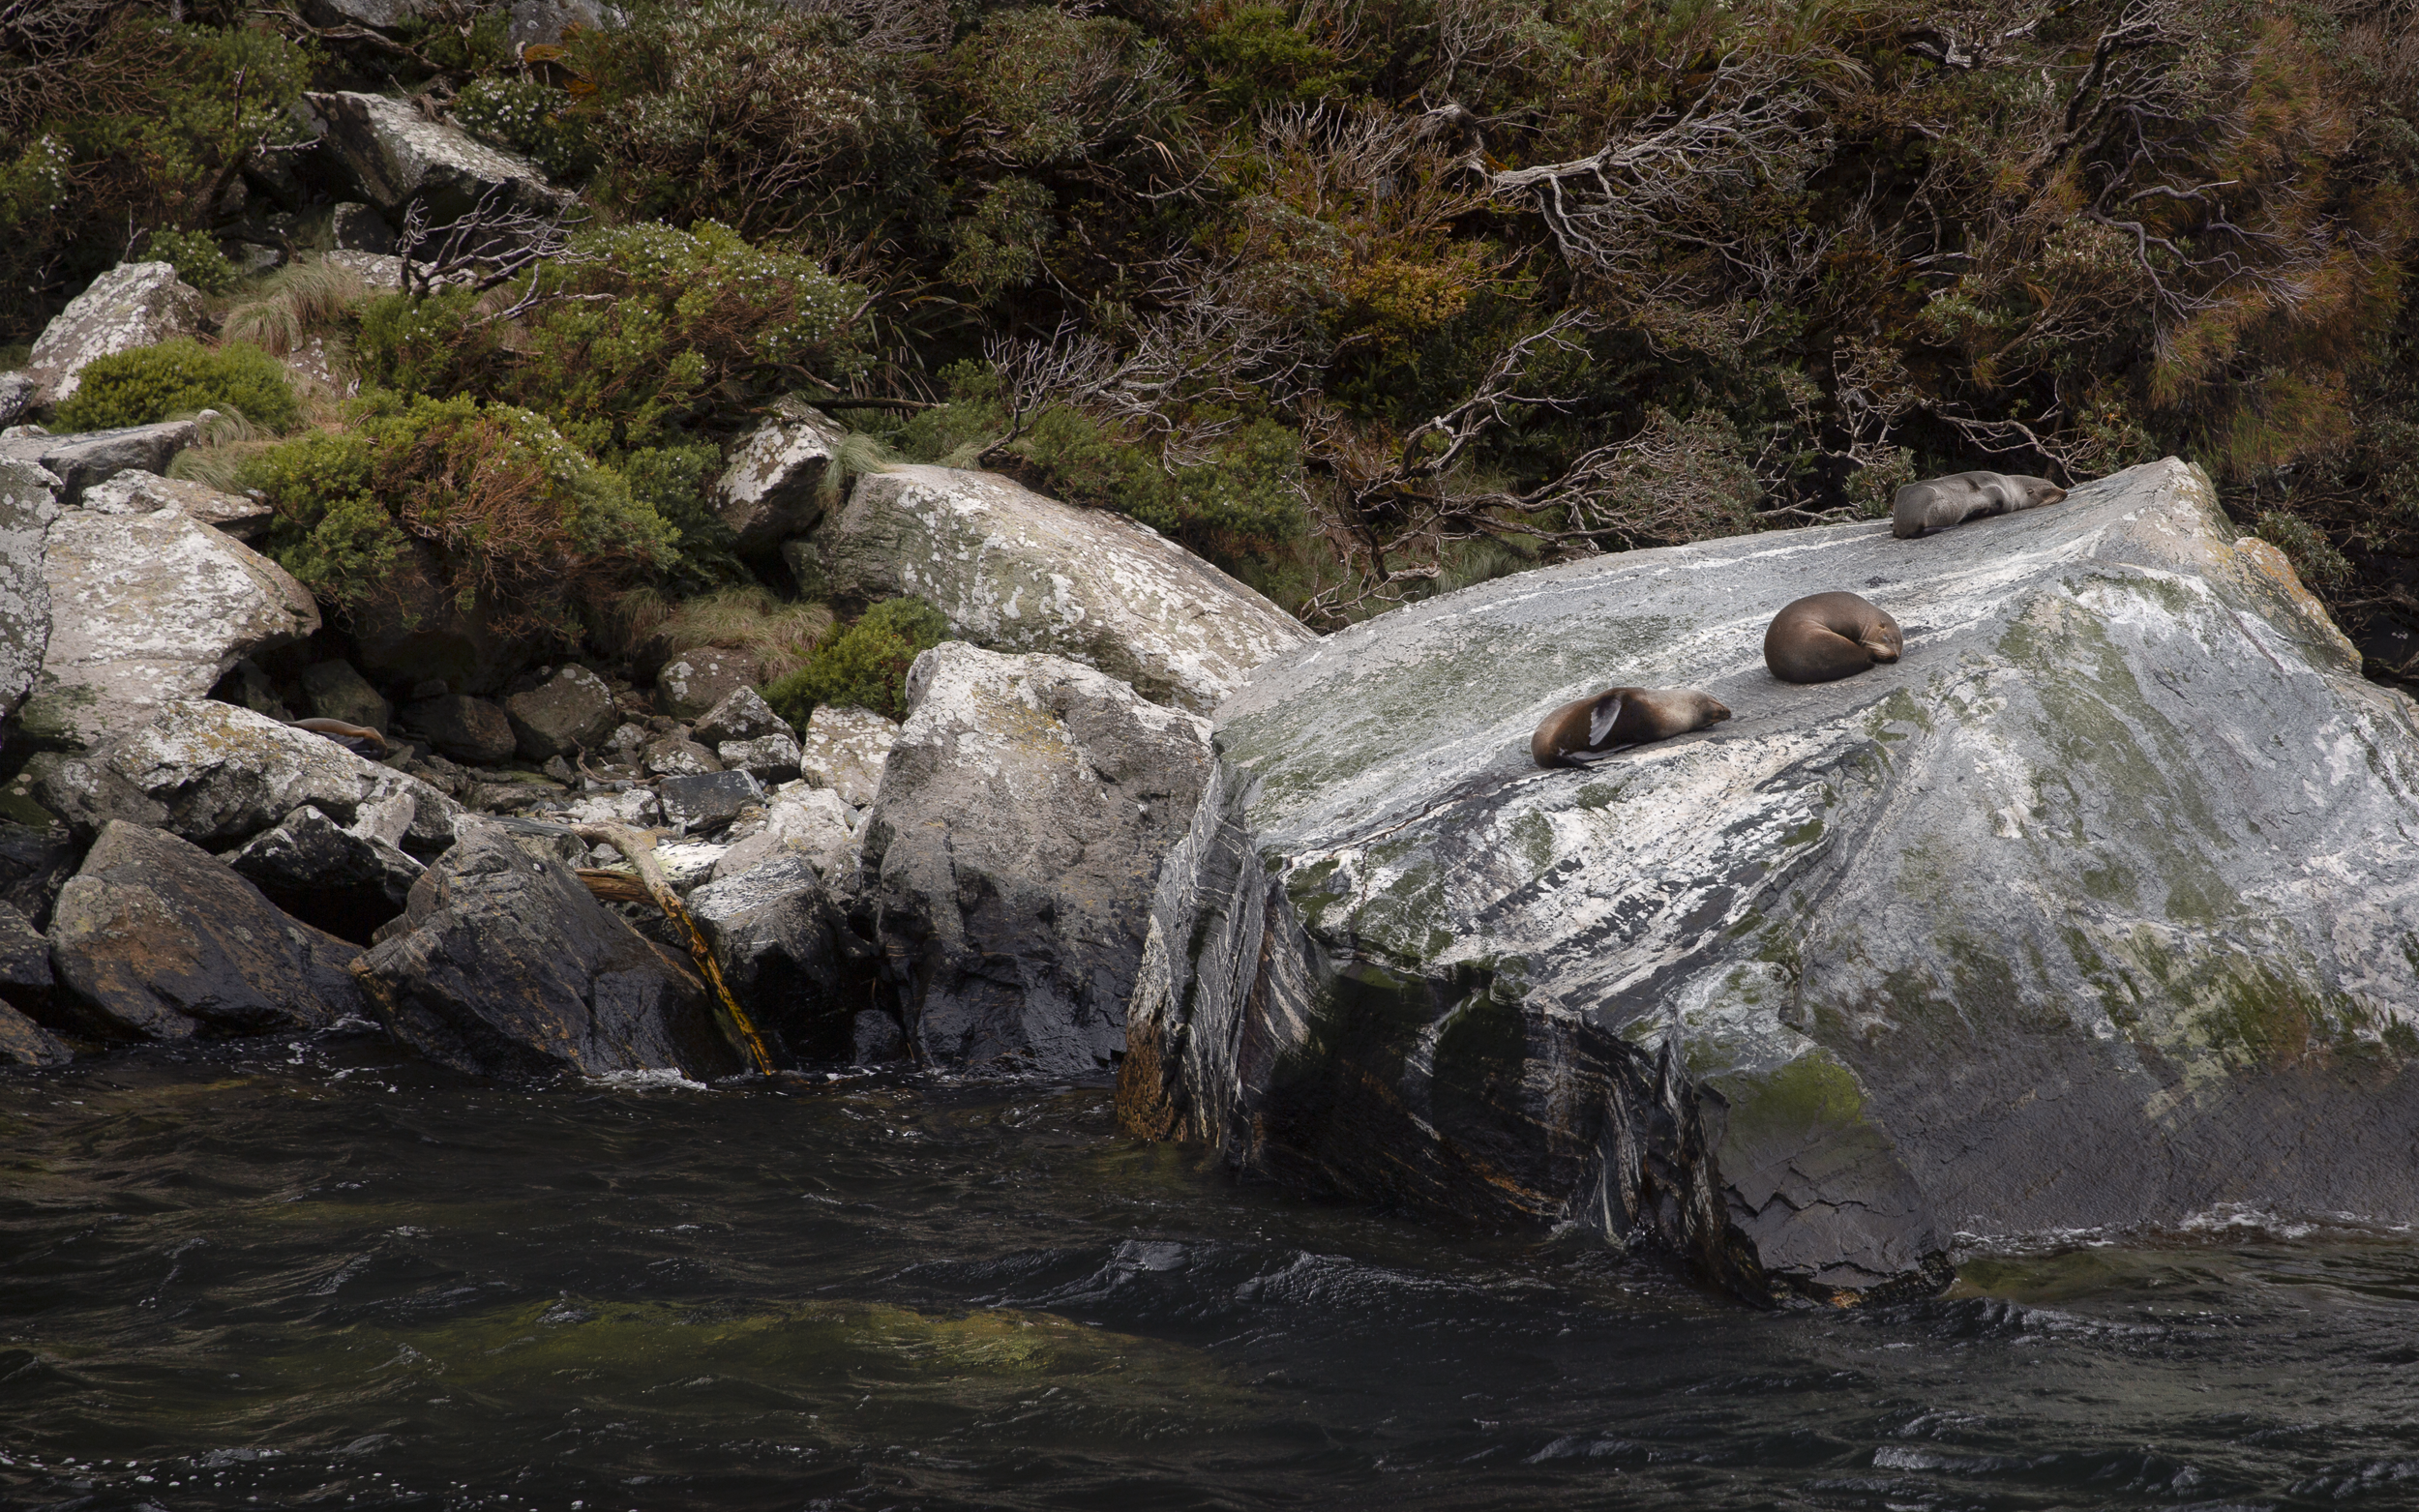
2088,911
1018,572
155,939
510,967
135,304
1022,816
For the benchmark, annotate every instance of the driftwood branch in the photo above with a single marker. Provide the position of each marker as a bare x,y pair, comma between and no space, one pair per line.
638,847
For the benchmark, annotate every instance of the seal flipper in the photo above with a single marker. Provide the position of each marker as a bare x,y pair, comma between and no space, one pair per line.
1602,718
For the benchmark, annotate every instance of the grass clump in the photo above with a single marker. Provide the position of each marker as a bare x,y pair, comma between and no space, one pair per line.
864,666
518,518
781,634
178,377
296,303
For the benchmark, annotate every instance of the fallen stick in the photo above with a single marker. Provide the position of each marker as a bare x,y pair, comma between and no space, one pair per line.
638,847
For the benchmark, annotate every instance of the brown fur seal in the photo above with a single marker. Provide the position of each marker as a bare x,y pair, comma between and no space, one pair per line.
359,739
1937,503
1829,636
1591,728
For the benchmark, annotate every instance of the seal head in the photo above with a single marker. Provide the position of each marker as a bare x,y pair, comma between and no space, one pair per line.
359,739
1938,503
1826,637
1589,730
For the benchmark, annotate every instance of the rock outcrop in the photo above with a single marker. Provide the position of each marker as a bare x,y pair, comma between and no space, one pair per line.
135,304
774,487
156,938
147,609
2091,911
29,503
1021,822
385,152
1017,572
508,966
85,459
218,775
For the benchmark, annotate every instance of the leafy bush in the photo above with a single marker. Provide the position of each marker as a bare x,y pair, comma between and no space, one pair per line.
540,123
519,515
864,666
650,330
196,258
151,383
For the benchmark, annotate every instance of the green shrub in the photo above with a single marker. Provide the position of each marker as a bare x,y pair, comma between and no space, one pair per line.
195,258
151,383
655,328
519,516
2323,567
529,118
864,666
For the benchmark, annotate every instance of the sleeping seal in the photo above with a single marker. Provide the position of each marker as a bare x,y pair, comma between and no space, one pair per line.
1937,503
1825,636
1591,728
359,739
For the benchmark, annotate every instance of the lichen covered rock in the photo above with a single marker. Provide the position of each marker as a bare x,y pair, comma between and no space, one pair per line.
2093,911
135,304
29,502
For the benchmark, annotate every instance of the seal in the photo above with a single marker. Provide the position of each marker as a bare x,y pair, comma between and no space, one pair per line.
1826,637
1937,503
1589,730
359,739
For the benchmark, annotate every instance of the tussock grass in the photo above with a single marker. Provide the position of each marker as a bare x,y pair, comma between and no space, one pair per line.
779,634
296,303
219,455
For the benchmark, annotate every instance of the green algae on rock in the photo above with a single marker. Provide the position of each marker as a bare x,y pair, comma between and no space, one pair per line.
2095,911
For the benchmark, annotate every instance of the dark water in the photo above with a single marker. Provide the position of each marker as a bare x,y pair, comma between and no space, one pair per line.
317,1275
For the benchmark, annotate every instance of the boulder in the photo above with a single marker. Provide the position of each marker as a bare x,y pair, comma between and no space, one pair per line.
466,728
810,823
770,757
511,968
692,683
2087,914
570,712
135,304
218,775
343,880
156,938
672,757
25,1042
385,152
782,947
147,609
85,459
844,750
24,964
379,270
1022,818
33,865
29,502
336,691
138,492
389,15
741,715
706,800
773,488
16,396
875,1039
1018,572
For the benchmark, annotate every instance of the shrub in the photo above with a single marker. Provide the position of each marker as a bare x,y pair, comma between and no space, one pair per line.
151,383
195,258
529,118
864,666
519,515
2322,568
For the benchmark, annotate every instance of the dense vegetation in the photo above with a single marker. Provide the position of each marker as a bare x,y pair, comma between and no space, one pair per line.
1357,297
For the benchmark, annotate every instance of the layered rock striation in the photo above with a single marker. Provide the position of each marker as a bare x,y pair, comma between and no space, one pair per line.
2096,910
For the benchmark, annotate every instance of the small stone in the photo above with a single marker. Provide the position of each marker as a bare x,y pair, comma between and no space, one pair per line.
693,682
628,740
744,715
336,691
570,712
25,1042
711,798
635,808
471,729
673,757
774,758
844,748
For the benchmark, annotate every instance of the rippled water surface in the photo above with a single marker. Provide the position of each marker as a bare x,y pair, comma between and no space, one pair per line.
318,1275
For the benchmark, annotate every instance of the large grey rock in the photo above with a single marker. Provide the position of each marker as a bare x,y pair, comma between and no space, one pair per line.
692,683
570,712
138,492
773,488
218,775
387,153
511,968
2091,911
780,944
465,727
1018,572
673,757
29,502
156,939
25,1042
85,459
147,609
336,691
544,21
1021,822
844,748
343,879
135,304
380,15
